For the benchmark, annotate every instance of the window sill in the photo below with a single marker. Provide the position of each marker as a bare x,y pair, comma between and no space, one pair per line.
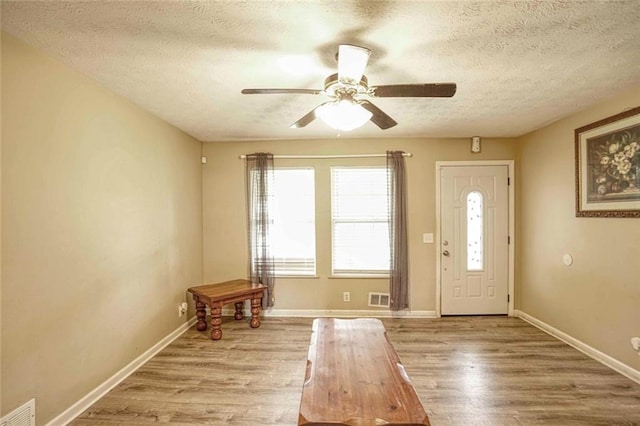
310,277
355,276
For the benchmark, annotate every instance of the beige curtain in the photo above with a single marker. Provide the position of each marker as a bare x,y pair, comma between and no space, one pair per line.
259,178
399,265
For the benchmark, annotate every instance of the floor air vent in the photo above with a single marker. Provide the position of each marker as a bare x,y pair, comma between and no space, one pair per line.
24,415
379,300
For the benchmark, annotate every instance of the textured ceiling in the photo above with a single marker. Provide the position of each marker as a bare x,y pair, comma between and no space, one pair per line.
518,65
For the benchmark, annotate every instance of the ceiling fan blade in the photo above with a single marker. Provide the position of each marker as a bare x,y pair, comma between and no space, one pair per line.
352,60
432,90
307,118
379,117
280,91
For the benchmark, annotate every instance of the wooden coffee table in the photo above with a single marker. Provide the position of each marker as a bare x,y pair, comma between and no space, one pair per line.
354,377
216,295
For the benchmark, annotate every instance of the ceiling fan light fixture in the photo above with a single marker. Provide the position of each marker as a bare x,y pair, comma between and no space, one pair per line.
343,115
352,60
348,89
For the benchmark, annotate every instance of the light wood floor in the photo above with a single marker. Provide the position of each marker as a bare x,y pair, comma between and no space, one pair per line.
466,371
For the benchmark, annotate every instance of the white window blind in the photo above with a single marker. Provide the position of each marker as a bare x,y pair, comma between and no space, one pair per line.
293,231
360,221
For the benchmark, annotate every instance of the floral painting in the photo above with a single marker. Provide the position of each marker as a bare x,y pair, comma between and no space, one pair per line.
614,165
608,167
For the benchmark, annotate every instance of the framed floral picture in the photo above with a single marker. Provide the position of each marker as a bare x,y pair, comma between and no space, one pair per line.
608,166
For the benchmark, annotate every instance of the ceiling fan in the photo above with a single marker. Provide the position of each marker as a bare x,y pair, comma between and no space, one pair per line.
348,90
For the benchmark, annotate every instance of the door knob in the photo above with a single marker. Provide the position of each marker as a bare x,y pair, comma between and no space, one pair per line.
445,253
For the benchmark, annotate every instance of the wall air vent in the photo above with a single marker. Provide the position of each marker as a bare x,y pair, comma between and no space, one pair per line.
379,300
25,415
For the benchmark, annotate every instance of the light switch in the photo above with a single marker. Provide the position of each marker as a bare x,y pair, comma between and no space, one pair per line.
427,238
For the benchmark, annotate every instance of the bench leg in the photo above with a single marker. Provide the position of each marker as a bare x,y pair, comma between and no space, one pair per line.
201,315
239,311
255,312
216,321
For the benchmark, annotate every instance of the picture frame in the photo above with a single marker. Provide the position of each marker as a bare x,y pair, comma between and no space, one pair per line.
607,166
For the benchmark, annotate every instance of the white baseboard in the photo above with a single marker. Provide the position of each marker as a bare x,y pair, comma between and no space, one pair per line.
339,313
592,352
85,402
372,313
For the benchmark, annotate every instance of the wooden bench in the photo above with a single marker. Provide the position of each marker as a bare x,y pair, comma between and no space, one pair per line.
354,377
217,295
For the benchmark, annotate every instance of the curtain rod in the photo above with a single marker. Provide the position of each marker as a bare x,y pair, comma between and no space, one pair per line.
299,157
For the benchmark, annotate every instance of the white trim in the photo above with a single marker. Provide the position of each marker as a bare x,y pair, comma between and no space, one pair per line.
321,313
371,313
614,364
86,401
512,229
296,277
349,277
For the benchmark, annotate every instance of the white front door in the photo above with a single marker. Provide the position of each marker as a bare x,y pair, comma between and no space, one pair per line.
474,240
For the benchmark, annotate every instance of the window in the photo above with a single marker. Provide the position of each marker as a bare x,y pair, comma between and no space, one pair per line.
360,221
293,232
475,245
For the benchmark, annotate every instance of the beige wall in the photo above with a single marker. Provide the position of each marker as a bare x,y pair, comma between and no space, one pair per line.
101,231
597,300
225,246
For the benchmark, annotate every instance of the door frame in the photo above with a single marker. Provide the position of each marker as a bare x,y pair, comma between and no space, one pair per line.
511,249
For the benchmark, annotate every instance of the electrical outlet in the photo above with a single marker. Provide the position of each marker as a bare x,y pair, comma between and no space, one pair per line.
182,309
346,296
